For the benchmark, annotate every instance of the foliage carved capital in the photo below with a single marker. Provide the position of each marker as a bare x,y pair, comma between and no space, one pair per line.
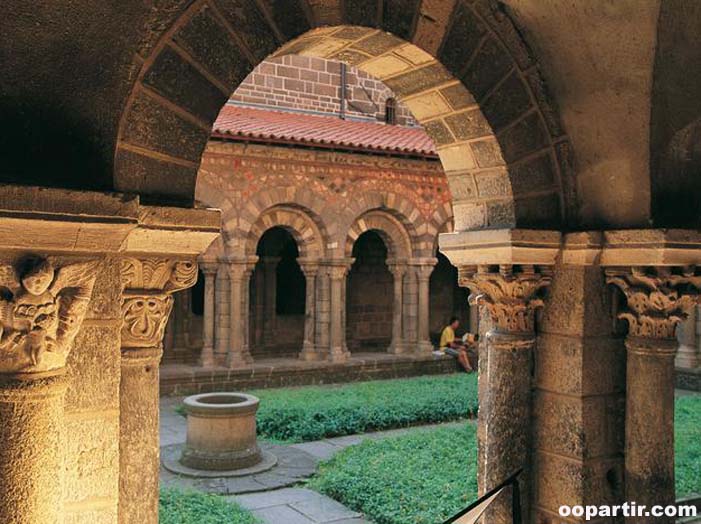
510,294
657,299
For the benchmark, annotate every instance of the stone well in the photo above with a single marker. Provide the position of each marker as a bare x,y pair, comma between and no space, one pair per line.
221,432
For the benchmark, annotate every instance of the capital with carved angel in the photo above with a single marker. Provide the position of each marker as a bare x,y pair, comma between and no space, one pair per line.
657,298
147,300
511,294
42,306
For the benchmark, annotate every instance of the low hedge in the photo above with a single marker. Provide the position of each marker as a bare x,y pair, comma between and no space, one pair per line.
687,445
190,507
419,478
302,414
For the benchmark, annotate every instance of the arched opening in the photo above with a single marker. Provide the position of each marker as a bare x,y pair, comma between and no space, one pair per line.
447,299
369,296
277,296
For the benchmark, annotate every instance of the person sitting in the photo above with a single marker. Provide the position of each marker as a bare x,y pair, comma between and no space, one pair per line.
454,347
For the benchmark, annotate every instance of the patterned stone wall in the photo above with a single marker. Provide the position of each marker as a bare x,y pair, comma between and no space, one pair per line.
310,84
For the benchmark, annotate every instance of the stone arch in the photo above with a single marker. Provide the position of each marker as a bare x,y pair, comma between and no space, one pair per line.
308,236
391,230
462,68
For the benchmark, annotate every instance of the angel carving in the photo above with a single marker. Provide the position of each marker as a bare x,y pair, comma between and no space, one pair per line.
40,312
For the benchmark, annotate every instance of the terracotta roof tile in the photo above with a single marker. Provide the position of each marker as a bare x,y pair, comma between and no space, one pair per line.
245,122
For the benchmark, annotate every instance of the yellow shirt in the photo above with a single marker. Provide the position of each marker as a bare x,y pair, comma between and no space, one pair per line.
447,337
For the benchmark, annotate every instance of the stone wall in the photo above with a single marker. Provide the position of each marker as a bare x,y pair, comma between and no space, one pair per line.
309,84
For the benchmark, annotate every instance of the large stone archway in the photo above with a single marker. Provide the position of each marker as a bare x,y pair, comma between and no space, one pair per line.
472,83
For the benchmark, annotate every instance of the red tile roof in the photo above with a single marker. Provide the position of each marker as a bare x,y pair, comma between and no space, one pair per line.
277,126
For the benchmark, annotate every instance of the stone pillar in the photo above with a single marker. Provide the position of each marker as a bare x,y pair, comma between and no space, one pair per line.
270,276
397,345
423,276
323,311
309,347
147,302
410,310
33,354
259,311
688,351
210,272
338,272
657,299
240,275
222,310
510,299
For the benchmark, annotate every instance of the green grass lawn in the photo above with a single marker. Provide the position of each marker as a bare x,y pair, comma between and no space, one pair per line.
428,475
289,415
182,507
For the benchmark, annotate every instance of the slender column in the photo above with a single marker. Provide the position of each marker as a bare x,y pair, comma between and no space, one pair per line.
270,320
309,347
509,299
423,275
323,311
259,311
210,272
34,347
397,345
222,309
657,299
410,311
338,352
239,275
147,302
688,352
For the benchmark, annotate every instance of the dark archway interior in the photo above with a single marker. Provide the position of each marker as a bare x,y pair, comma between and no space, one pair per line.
446,299
277,299
369,296
197,296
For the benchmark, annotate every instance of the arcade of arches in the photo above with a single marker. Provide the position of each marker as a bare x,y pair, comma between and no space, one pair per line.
566,131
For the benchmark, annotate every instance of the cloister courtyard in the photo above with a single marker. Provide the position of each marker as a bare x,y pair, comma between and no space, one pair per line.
233,233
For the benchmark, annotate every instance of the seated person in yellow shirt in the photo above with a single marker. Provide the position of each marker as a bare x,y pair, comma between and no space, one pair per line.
452,346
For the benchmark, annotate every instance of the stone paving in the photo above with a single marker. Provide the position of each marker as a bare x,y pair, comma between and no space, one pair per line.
291,505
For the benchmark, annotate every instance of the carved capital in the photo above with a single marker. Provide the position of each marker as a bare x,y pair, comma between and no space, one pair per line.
147,301
510,294
657,299
144,319
338,269
398,270
158,274
42,307
209,268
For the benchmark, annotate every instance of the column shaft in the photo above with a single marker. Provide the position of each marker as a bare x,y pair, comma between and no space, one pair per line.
424,340
649,461
688,352
309,348
207,357
397,345
222,309
239,352
338,351
31,453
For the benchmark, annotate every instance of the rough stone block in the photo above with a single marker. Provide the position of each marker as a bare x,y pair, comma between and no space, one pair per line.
463,38
245,17
509,101
93,369
489,66
92,457
212,46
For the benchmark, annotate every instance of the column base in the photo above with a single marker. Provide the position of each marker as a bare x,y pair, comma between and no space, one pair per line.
207,357
239,360
397,348
310,353
687,357
424,346
339,355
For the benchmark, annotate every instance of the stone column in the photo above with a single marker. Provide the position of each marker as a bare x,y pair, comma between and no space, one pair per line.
222,310
688,351
397,345
423,276
240,275
323,311
259,311
270,276
509,298
657,299
338,271
32,369
309,347
410,311
210,272
147,302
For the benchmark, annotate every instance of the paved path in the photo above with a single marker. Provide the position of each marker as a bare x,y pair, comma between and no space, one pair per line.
288,505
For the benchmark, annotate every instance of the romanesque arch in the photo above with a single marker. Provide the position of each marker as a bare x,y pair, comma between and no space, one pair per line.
471,82
305,231
397,240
